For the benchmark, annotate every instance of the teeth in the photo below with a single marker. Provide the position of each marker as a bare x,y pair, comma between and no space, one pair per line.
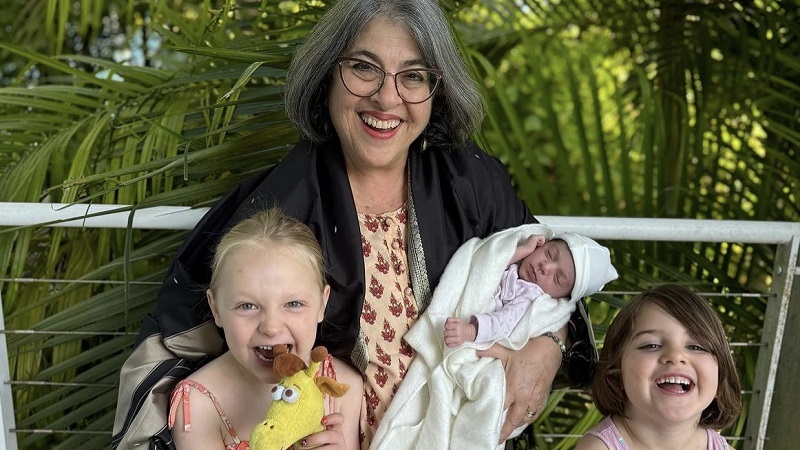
380,124
674,380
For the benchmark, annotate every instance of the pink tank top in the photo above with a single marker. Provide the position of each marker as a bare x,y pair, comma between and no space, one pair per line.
607,432
182,391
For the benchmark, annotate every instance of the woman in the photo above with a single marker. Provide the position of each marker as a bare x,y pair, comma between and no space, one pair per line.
388,182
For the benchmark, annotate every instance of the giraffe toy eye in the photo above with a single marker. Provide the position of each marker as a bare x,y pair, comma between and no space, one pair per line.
291,395
277,392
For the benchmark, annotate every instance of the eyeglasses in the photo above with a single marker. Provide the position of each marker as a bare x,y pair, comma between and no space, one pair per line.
364,79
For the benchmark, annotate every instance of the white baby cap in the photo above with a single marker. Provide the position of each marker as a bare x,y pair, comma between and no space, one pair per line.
593,267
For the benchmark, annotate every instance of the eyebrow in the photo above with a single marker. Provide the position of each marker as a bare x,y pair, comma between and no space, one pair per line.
377,59
642,333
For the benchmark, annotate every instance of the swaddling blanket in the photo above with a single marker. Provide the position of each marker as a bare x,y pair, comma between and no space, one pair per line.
450,398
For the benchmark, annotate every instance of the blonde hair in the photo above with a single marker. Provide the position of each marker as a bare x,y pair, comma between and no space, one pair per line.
271,227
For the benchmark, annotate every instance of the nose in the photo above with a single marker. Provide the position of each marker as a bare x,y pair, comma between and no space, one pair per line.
673,354
387,96
546,266
269,324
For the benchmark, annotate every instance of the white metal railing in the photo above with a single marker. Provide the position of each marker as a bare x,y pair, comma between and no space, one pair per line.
779,326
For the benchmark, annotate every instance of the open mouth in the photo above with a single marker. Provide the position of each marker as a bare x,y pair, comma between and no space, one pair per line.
379,125
676,385
266,353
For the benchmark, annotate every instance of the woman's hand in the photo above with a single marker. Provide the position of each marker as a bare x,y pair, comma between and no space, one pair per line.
331,437
529,377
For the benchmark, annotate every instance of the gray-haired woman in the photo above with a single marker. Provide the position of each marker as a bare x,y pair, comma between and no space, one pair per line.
386,178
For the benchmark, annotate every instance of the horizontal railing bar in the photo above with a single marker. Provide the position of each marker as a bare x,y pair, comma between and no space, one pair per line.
70,333
558,435
81,281
57,383
52,431
99,216
622,228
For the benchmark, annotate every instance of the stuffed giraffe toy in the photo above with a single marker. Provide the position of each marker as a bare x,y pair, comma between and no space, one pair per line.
297,404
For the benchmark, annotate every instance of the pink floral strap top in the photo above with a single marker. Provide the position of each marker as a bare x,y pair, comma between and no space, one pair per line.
183,389
181,392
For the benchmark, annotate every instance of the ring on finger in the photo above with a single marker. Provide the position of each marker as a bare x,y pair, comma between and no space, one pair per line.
529,414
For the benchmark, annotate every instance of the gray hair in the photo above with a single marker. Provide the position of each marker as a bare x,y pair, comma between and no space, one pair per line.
458,107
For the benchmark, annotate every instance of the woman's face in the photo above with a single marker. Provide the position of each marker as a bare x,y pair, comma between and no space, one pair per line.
375,132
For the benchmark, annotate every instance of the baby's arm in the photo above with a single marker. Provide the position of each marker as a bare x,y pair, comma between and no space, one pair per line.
457,332
527,247
341,425
204,431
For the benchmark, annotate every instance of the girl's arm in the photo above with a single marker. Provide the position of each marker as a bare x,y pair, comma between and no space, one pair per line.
341,426
204,431
350,404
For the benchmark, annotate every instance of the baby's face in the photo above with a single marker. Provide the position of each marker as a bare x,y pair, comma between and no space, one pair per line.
550,266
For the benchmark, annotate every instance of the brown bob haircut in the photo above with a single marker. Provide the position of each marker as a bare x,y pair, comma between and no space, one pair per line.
701,321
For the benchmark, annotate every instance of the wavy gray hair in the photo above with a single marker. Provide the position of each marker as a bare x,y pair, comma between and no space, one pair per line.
458,107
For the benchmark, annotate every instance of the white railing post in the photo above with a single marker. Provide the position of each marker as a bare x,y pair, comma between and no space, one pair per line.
8,440
771,423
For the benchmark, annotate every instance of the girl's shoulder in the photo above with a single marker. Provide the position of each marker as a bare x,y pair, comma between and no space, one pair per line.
590,442
347,374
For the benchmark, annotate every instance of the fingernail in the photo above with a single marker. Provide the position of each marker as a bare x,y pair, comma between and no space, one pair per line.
303,442
325,420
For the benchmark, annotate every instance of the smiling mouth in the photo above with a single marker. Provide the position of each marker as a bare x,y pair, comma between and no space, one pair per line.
380,125
266,353
676,385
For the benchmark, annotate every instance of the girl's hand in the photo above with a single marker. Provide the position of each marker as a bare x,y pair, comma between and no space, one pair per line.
330,438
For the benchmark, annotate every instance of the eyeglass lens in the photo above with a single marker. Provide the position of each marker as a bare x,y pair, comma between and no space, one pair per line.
365,79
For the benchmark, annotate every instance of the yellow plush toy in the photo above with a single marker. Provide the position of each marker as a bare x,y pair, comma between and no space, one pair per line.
297,404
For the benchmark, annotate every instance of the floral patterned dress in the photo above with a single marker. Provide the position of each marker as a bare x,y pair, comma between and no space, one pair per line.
389,311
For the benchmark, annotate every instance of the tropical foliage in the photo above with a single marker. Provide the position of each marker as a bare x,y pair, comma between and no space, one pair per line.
629,108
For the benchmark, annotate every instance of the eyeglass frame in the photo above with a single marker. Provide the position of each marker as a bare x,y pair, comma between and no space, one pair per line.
437,72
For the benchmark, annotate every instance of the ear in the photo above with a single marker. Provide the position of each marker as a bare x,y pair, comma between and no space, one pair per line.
213,305
326,292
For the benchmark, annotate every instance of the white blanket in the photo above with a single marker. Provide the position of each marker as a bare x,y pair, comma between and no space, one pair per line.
450,398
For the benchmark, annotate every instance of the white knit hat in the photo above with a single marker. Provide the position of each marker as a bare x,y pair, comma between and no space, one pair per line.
593,267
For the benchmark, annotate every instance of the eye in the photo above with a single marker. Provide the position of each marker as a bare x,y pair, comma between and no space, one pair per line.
246,306
696,348
649,346
294,304
363,67
291,395
277,392
415,76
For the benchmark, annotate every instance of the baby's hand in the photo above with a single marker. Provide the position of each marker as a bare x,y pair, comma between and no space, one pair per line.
457,332
533,241
330,438
527,247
